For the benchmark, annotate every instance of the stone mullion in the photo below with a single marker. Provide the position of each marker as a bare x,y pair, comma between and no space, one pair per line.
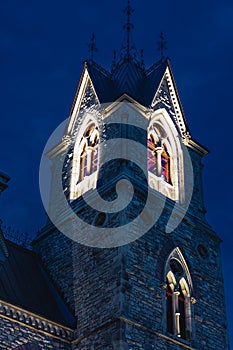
89,160
188,318
158,151
75,174
176,313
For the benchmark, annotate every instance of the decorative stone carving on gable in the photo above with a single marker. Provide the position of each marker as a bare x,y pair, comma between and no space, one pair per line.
167,97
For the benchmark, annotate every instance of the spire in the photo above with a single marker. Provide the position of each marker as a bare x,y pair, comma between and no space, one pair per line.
128,52
142,59
92,47
162,45
128,27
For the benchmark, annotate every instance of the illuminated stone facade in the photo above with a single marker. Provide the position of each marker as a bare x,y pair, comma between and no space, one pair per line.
161,291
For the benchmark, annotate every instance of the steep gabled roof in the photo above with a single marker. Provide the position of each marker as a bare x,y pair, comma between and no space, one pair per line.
144,86
102,82
24,283
128,78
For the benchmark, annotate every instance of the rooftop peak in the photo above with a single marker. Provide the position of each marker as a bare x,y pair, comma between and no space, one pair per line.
128,26
162,45
92,47
128,52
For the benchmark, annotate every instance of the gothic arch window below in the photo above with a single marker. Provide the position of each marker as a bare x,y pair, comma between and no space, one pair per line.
178,301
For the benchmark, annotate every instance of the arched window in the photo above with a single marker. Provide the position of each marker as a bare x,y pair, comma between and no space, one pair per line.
178,286
158,159
165,157
89,153
85,161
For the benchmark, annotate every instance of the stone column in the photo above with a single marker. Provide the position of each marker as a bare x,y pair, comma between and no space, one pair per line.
176,313
158,151
89,160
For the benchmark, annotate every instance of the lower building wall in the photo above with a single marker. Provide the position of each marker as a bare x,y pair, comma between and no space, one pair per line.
13,335
106,337
137,338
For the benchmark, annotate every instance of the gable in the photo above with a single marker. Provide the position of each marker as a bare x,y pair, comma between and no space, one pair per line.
85,98
167,97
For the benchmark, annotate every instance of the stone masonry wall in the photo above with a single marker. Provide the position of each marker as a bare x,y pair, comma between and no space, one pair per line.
13,334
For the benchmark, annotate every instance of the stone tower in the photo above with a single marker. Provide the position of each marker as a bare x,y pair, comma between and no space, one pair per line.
152,283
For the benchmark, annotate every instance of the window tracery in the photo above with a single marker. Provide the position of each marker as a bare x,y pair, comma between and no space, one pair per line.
89,153
165,157
178,301
85,161
158,159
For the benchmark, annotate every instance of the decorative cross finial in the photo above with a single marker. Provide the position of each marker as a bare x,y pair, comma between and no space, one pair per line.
162,45
128,26
114,61
142,59
92,47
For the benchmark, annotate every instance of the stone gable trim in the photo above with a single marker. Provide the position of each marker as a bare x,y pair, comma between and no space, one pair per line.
186,346
35,322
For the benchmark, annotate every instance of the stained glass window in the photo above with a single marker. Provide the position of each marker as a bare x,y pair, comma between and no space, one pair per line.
95,158
83,164
89,155
165,165
151,156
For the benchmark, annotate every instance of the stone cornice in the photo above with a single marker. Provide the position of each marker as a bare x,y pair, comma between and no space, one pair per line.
35,322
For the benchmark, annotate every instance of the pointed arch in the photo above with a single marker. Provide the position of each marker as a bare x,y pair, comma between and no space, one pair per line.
178,291
168,177
85,158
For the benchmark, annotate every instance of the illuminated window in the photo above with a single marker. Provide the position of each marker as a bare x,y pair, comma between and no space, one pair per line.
165,165
83,164
89,153
158,160
152,155
178,301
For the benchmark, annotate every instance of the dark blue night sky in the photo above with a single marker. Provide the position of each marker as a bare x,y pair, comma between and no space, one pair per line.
43,46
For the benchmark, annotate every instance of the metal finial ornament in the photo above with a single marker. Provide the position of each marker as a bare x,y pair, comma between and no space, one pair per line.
92,47
142,59
114,60
128,26
162,45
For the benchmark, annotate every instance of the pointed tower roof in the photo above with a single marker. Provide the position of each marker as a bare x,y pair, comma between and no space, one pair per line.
128,78
154,87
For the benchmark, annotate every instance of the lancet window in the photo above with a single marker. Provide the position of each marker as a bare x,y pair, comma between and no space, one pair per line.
85,161
178,301
158,159
88,162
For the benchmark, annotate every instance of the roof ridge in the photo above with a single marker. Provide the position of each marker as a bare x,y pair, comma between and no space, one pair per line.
155,66
99,68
